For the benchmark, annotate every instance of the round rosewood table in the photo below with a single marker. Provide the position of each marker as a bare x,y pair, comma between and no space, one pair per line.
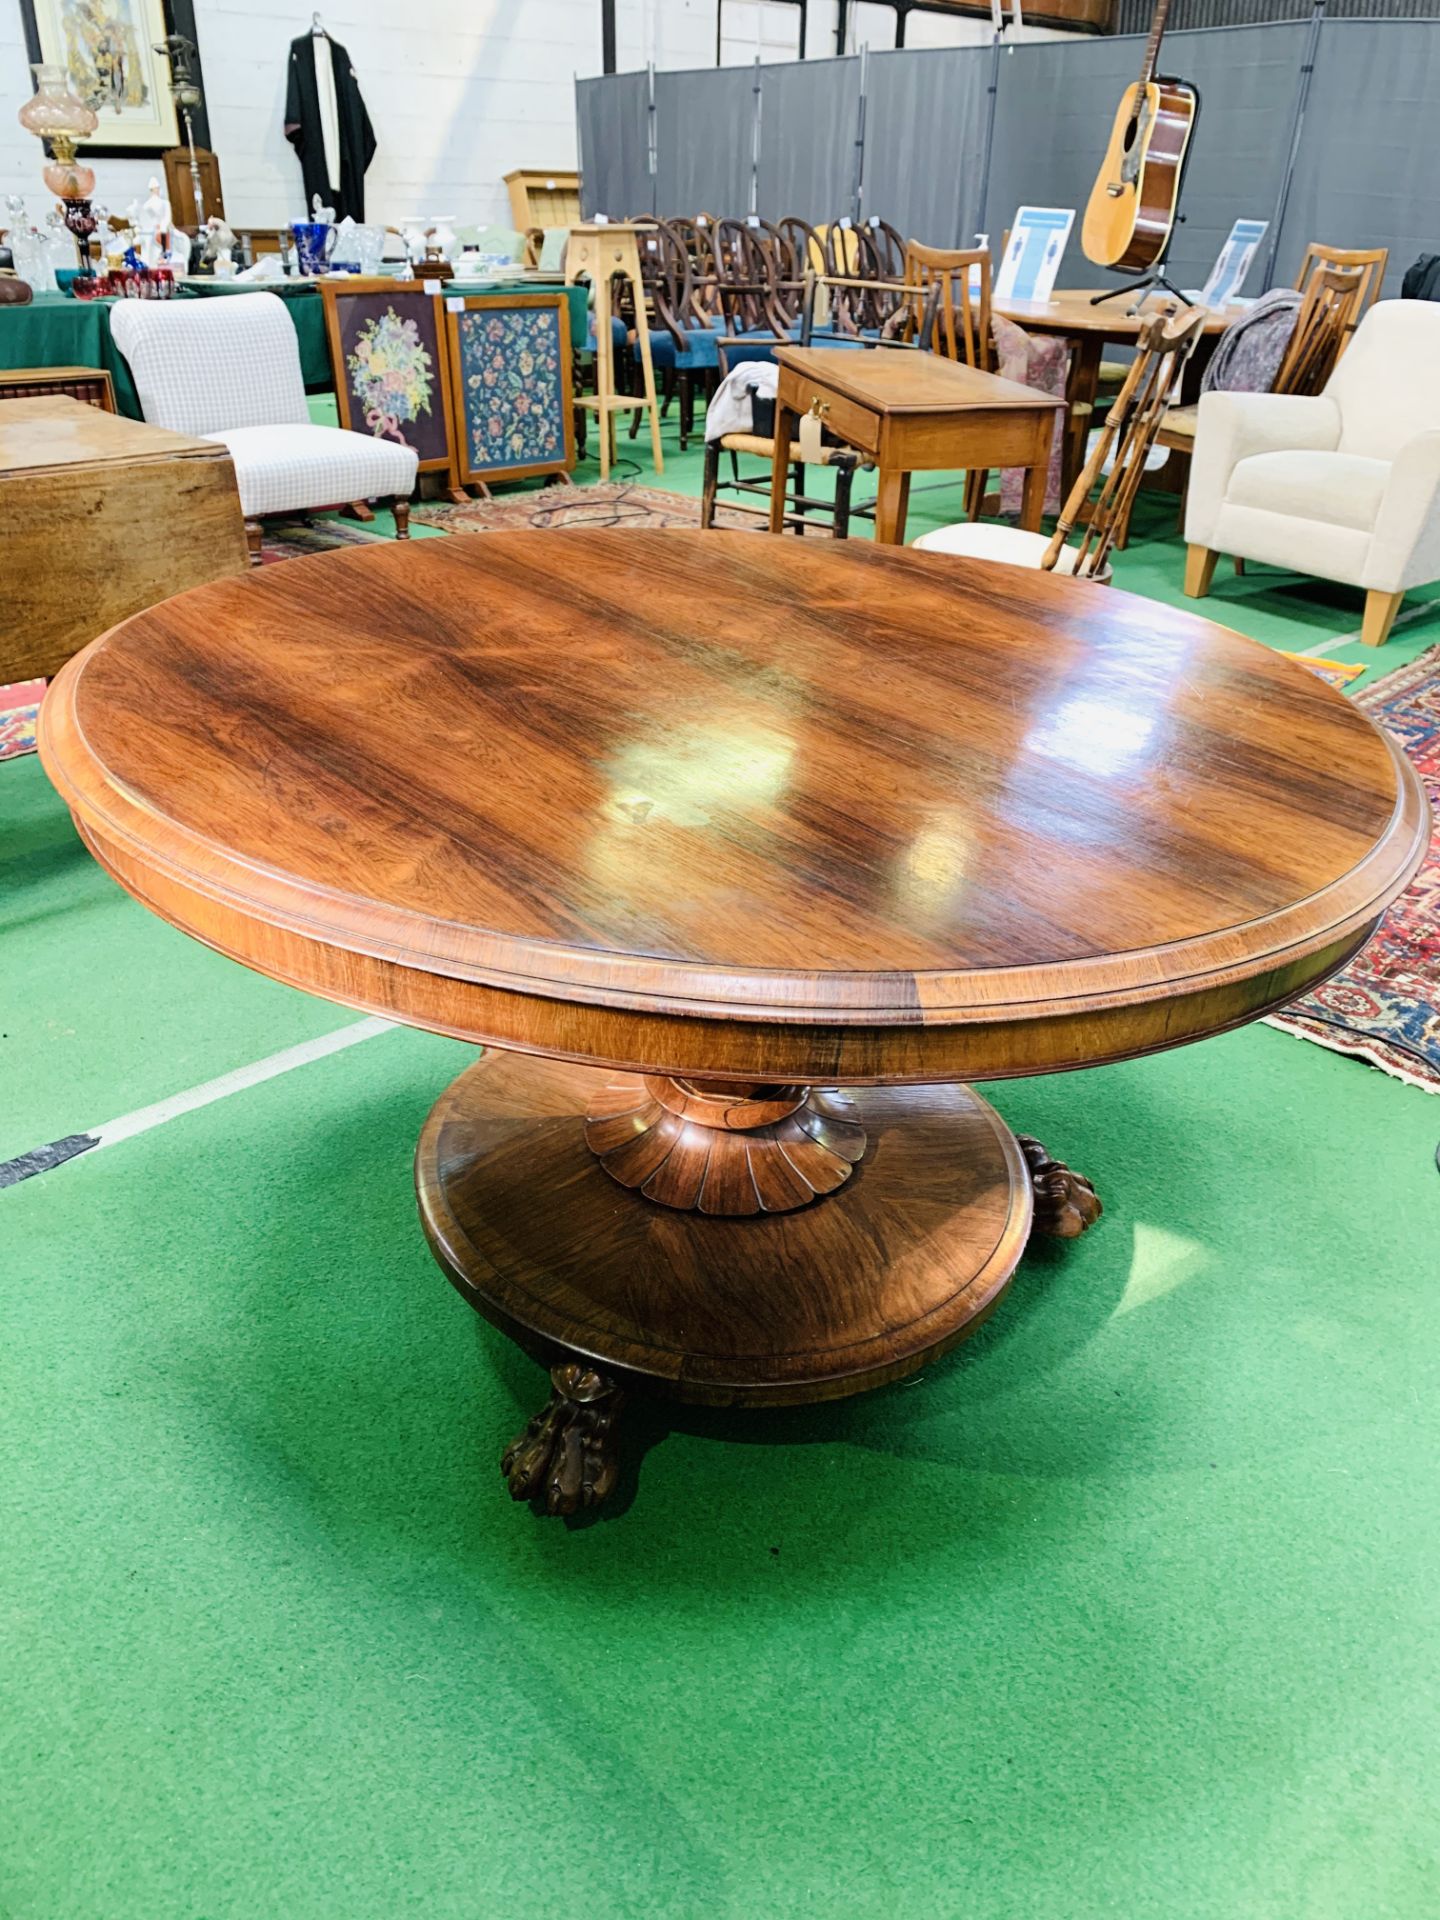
741,856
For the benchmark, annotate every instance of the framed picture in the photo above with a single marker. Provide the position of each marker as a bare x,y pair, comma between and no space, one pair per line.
392,374
107,49
510,384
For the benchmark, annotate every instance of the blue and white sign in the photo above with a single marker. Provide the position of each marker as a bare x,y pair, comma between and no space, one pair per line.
1227,276
1032,259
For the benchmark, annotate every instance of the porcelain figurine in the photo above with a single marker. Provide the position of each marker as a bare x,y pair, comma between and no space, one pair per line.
219,243
153,223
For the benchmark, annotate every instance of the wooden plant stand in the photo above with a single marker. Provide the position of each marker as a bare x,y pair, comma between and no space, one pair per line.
597,254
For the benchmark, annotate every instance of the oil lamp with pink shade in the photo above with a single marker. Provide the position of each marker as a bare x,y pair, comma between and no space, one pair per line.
56,115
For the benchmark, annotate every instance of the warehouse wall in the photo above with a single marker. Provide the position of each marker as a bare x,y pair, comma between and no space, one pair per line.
459,92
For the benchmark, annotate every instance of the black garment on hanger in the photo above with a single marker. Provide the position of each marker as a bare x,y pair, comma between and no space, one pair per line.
304,131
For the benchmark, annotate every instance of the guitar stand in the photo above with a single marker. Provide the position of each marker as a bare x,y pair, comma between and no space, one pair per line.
1148,283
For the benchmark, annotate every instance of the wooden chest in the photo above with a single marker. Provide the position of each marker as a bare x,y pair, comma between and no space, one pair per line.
99,517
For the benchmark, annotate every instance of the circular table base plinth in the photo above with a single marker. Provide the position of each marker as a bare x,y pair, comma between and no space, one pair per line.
862,1286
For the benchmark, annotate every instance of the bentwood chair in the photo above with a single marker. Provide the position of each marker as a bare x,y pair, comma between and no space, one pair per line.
882,250
785,264
229,370
742,278
683,342
840,249
1164,348
690,234
804,244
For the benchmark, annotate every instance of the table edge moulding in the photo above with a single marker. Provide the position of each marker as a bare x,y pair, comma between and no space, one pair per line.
715,1174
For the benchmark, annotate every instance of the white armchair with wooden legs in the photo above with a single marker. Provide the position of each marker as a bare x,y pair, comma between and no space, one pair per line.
1344,485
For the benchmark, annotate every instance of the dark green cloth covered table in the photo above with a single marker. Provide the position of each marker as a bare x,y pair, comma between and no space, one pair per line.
58,331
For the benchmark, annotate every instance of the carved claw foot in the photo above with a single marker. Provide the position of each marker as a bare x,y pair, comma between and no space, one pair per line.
567,1454
1065,1202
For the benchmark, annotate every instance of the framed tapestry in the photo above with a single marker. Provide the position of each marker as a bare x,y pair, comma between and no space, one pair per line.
392,376
107,49
510,387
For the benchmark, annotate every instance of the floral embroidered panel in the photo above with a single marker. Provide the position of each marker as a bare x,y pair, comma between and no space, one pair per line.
391,354
513,390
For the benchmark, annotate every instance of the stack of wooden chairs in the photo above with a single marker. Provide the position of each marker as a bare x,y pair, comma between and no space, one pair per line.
710,279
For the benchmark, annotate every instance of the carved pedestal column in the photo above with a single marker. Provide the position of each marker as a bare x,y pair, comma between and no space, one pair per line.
713,1147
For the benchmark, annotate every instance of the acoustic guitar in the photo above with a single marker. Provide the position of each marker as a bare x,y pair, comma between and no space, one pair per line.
1133,203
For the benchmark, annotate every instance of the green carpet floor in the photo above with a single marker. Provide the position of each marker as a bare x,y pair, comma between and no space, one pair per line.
1129,1608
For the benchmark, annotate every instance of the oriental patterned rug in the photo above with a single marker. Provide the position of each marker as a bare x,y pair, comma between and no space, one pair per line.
293,539
616,504
1335,673
1385,1006
19,704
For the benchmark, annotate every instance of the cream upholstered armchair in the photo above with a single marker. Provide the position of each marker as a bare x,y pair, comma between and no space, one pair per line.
1344,485
228,369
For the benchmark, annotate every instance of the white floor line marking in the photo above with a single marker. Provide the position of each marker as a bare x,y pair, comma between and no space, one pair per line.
1402,619
144,1118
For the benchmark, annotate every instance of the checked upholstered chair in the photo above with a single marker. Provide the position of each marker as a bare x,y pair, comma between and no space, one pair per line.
228,369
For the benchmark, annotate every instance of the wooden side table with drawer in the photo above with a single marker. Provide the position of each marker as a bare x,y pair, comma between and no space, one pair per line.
913,413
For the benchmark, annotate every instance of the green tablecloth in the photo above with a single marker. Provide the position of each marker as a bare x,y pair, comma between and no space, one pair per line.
58,331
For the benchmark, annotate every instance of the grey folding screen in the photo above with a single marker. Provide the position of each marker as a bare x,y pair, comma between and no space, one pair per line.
1368,173
925,141
810,114
1051,117
1058,98
1247,78
704,129
613,137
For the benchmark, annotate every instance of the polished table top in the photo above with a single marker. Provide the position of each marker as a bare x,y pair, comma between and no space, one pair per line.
1071,310
894,381
839,811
